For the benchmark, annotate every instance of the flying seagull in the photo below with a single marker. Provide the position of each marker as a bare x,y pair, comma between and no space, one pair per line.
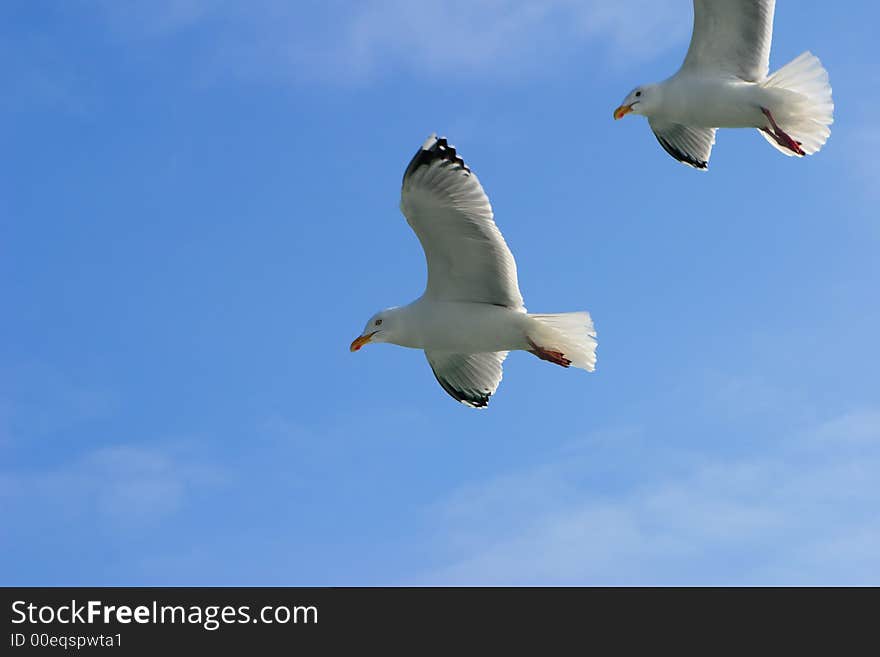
471,313
723,83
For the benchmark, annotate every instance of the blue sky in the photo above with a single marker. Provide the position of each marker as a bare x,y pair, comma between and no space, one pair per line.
198,212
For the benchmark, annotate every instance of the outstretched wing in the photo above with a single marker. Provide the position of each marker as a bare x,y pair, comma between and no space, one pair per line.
687,144
731,37
468,378
450,213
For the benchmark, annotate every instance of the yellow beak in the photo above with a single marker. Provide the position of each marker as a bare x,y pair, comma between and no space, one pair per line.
360,341
622,111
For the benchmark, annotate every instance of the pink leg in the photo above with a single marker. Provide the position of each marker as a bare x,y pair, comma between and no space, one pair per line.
780,136
556,357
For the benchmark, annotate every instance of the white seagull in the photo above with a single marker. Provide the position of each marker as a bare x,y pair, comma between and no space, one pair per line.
723,83
471,313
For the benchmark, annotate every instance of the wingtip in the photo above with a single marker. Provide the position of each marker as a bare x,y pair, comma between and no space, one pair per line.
681,156
435,148
480,404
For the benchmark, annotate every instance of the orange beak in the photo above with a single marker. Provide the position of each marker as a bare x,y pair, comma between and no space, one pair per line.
360,341
622,111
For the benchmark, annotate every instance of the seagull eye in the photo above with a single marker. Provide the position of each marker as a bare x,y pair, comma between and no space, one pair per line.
638,94
378,322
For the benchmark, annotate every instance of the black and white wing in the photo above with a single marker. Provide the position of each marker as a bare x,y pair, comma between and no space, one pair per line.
731,37
468,378
444,203
687,144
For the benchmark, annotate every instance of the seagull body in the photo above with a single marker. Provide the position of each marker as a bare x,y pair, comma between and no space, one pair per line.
725,102
459,326
471,314
724,83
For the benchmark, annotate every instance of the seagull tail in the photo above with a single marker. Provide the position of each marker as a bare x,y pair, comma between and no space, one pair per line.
803,106
565,339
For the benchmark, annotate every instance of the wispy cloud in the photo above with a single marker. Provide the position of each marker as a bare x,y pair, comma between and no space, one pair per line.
123,487
803,511
463,37
351,42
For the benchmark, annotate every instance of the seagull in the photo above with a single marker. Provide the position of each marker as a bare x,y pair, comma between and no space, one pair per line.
724,83
471,313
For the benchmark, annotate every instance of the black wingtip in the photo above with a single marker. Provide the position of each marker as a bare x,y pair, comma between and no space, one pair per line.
435,148
681,156
470,398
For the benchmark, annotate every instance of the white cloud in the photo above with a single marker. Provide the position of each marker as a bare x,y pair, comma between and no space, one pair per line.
356,41
802,511
473,36
126,486
857,427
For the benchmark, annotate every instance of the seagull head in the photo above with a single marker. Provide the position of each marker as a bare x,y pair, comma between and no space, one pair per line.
640,100
379,328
